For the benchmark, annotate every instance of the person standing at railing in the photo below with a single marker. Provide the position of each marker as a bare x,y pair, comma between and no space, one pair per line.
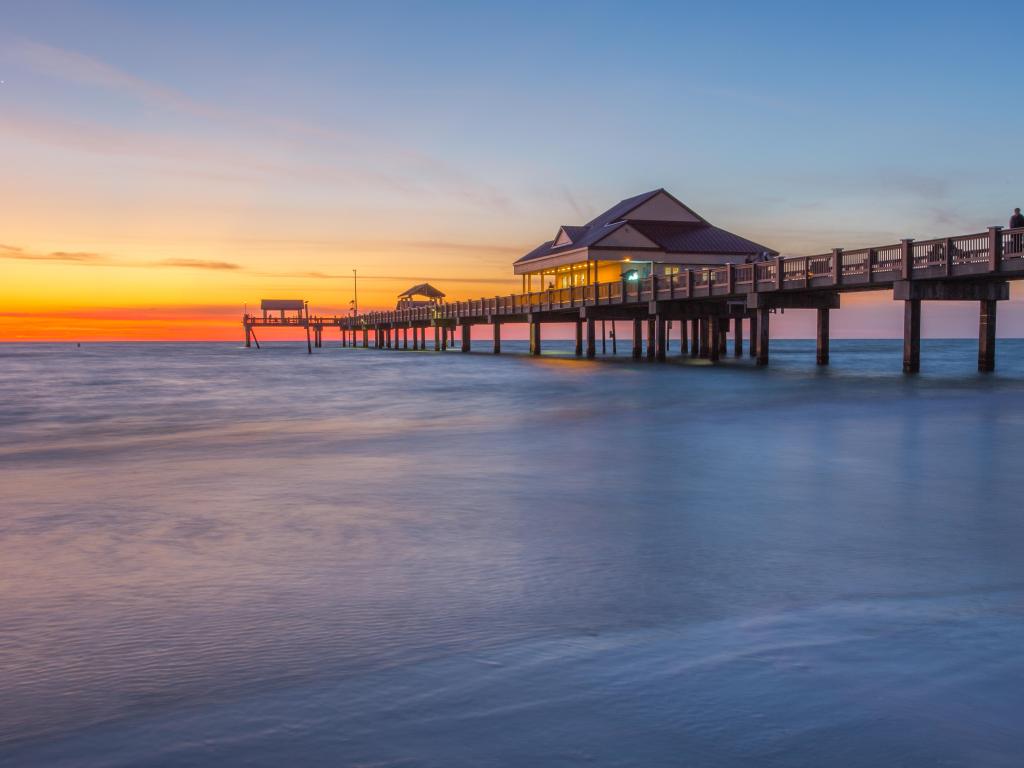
1016,222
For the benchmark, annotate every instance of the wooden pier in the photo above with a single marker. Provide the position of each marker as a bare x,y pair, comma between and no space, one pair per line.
975,267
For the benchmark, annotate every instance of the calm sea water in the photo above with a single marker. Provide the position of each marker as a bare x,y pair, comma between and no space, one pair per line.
219,556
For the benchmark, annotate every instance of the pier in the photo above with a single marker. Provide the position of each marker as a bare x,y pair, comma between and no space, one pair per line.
707,302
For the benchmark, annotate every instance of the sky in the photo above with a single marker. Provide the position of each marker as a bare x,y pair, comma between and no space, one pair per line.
167,164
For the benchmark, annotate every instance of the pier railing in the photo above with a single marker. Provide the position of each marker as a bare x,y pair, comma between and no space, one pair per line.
992,253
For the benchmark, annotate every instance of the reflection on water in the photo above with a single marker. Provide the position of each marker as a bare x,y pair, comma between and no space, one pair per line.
224,556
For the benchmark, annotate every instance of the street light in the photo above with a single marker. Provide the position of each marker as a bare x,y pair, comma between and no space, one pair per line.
355,293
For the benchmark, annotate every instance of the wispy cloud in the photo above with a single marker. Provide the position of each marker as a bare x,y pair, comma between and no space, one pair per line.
345,158
196,264
87,258
76,257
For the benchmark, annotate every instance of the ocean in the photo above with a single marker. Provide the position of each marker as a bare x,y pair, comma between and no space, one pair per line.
218,556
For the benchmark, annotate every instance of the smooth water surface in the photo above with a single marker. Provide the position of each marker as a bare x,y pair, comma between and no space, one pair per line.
219,556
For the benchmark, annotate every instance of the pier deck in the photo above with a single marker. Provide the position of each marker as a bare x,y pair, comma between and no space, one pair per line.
973,267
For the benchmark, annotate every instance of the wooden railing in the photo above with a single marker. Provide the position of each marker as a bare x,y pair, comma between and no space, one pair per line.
992,253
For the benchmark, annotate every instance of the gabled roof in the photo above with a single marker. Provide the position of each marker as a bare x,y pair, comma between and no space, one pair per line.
678,237
678,230
276,304
423,289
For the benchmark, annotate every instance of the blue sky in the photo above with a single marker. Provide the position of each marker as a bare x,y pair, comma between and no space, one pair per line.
336,127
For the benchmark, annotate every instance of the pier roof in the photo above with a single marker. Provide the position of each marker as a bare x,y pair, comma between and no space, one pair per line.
423,289
654,222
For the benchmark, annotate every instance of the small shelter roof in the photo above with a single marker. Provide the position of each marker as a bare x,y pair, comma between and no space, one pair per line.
423,289
275,304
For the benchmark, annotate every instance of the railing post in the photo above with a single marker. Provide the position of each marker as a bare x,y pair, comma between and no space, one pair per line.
947,257
778,273
730,277
907,258
837,266
689,283
995,248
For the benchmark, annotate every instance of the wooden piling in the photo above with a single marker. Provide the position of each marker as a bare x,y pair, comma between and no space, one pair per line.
912,336
762,336
467,337
497,337
737,337
638,341
437,338
661,338
753,334
604,339
615,340
694,337
705,337
534,336
591,346
579,337
652,332
714,339
823,334
987,337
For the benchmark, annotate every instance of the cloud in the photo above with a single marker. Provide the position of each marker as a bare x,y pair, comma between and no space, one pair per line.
196,264
79,68
346,159
77,257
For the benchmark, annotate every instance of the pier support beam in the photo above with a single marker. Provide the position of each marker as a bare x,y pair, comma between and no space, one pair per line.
753,334
467,337
823,336
714,339
638,338
737,337
694,337
705,337
579,337
248,337
591,346
652,332
309,345
762,335
683,330
604,338
444,339
405,337
987,337
534,336
497,337
366,337
661,338
723,335
437,338
911,335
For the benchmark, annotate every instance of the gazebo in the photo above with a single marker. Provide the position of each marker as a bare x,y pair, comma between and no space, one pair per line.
422,295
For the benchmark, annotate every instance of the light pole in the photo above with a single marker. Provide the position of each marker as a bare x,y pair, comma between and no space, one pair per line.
355,293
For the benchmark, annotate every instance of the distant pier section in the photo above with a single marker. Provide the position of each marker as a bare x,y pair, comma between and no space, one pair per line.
651,262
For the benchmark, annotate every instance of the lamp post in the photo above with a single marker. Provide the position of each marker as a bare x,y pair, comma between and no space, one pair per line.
355,293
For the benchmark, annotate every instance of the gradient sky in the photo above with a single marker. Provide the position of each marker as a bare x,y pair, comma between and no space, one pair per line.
166,163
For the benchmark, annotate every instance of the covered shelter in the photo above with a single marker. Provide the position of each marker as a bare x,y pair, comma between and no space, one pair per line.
422,295
283,306
650,234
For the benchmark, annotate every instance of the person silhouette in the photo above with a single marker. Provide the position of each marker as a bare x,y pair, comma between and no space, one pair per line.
1017,220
